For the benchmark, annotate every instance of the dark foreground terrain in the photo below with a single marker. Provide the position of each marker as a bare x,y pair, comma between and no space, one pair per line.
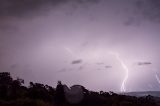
13,93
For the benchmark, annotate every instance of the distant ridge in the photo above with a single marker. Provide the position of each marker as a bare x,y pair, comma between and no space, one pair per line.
143,93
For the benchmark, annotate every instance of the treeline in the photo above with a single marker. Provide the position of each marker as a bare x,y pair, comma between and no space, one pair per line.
13,93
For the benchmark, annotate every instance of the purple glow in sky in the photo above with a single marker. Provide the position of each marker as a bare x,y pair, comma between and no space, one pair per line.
72,40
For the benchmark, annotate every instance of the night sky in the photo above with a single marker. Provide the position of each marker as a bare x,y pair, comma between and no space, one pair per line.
111,45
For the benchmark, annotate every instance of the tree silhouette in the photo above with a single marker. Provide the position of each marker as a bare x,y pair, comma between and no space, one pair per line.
9,88
5,84
5,78
59,96
40,91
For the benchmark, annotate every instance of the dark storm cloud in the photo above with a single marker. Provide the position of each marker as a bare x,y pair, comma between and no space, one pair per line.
22,7
155,7
144,63
148,9
77,61
101,63
108,66
142,11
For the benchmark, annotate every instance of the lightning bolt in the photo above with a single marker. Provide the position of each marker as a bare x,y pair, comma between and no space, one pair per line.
123,88
157,78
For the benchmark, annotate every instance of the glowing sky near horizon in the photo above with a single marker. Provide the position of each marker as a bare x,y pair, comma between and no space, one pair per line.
70,40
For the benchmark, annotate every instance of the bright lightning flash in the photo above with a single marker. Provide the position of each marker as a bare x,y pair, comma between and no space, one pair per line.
157,78
123,88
